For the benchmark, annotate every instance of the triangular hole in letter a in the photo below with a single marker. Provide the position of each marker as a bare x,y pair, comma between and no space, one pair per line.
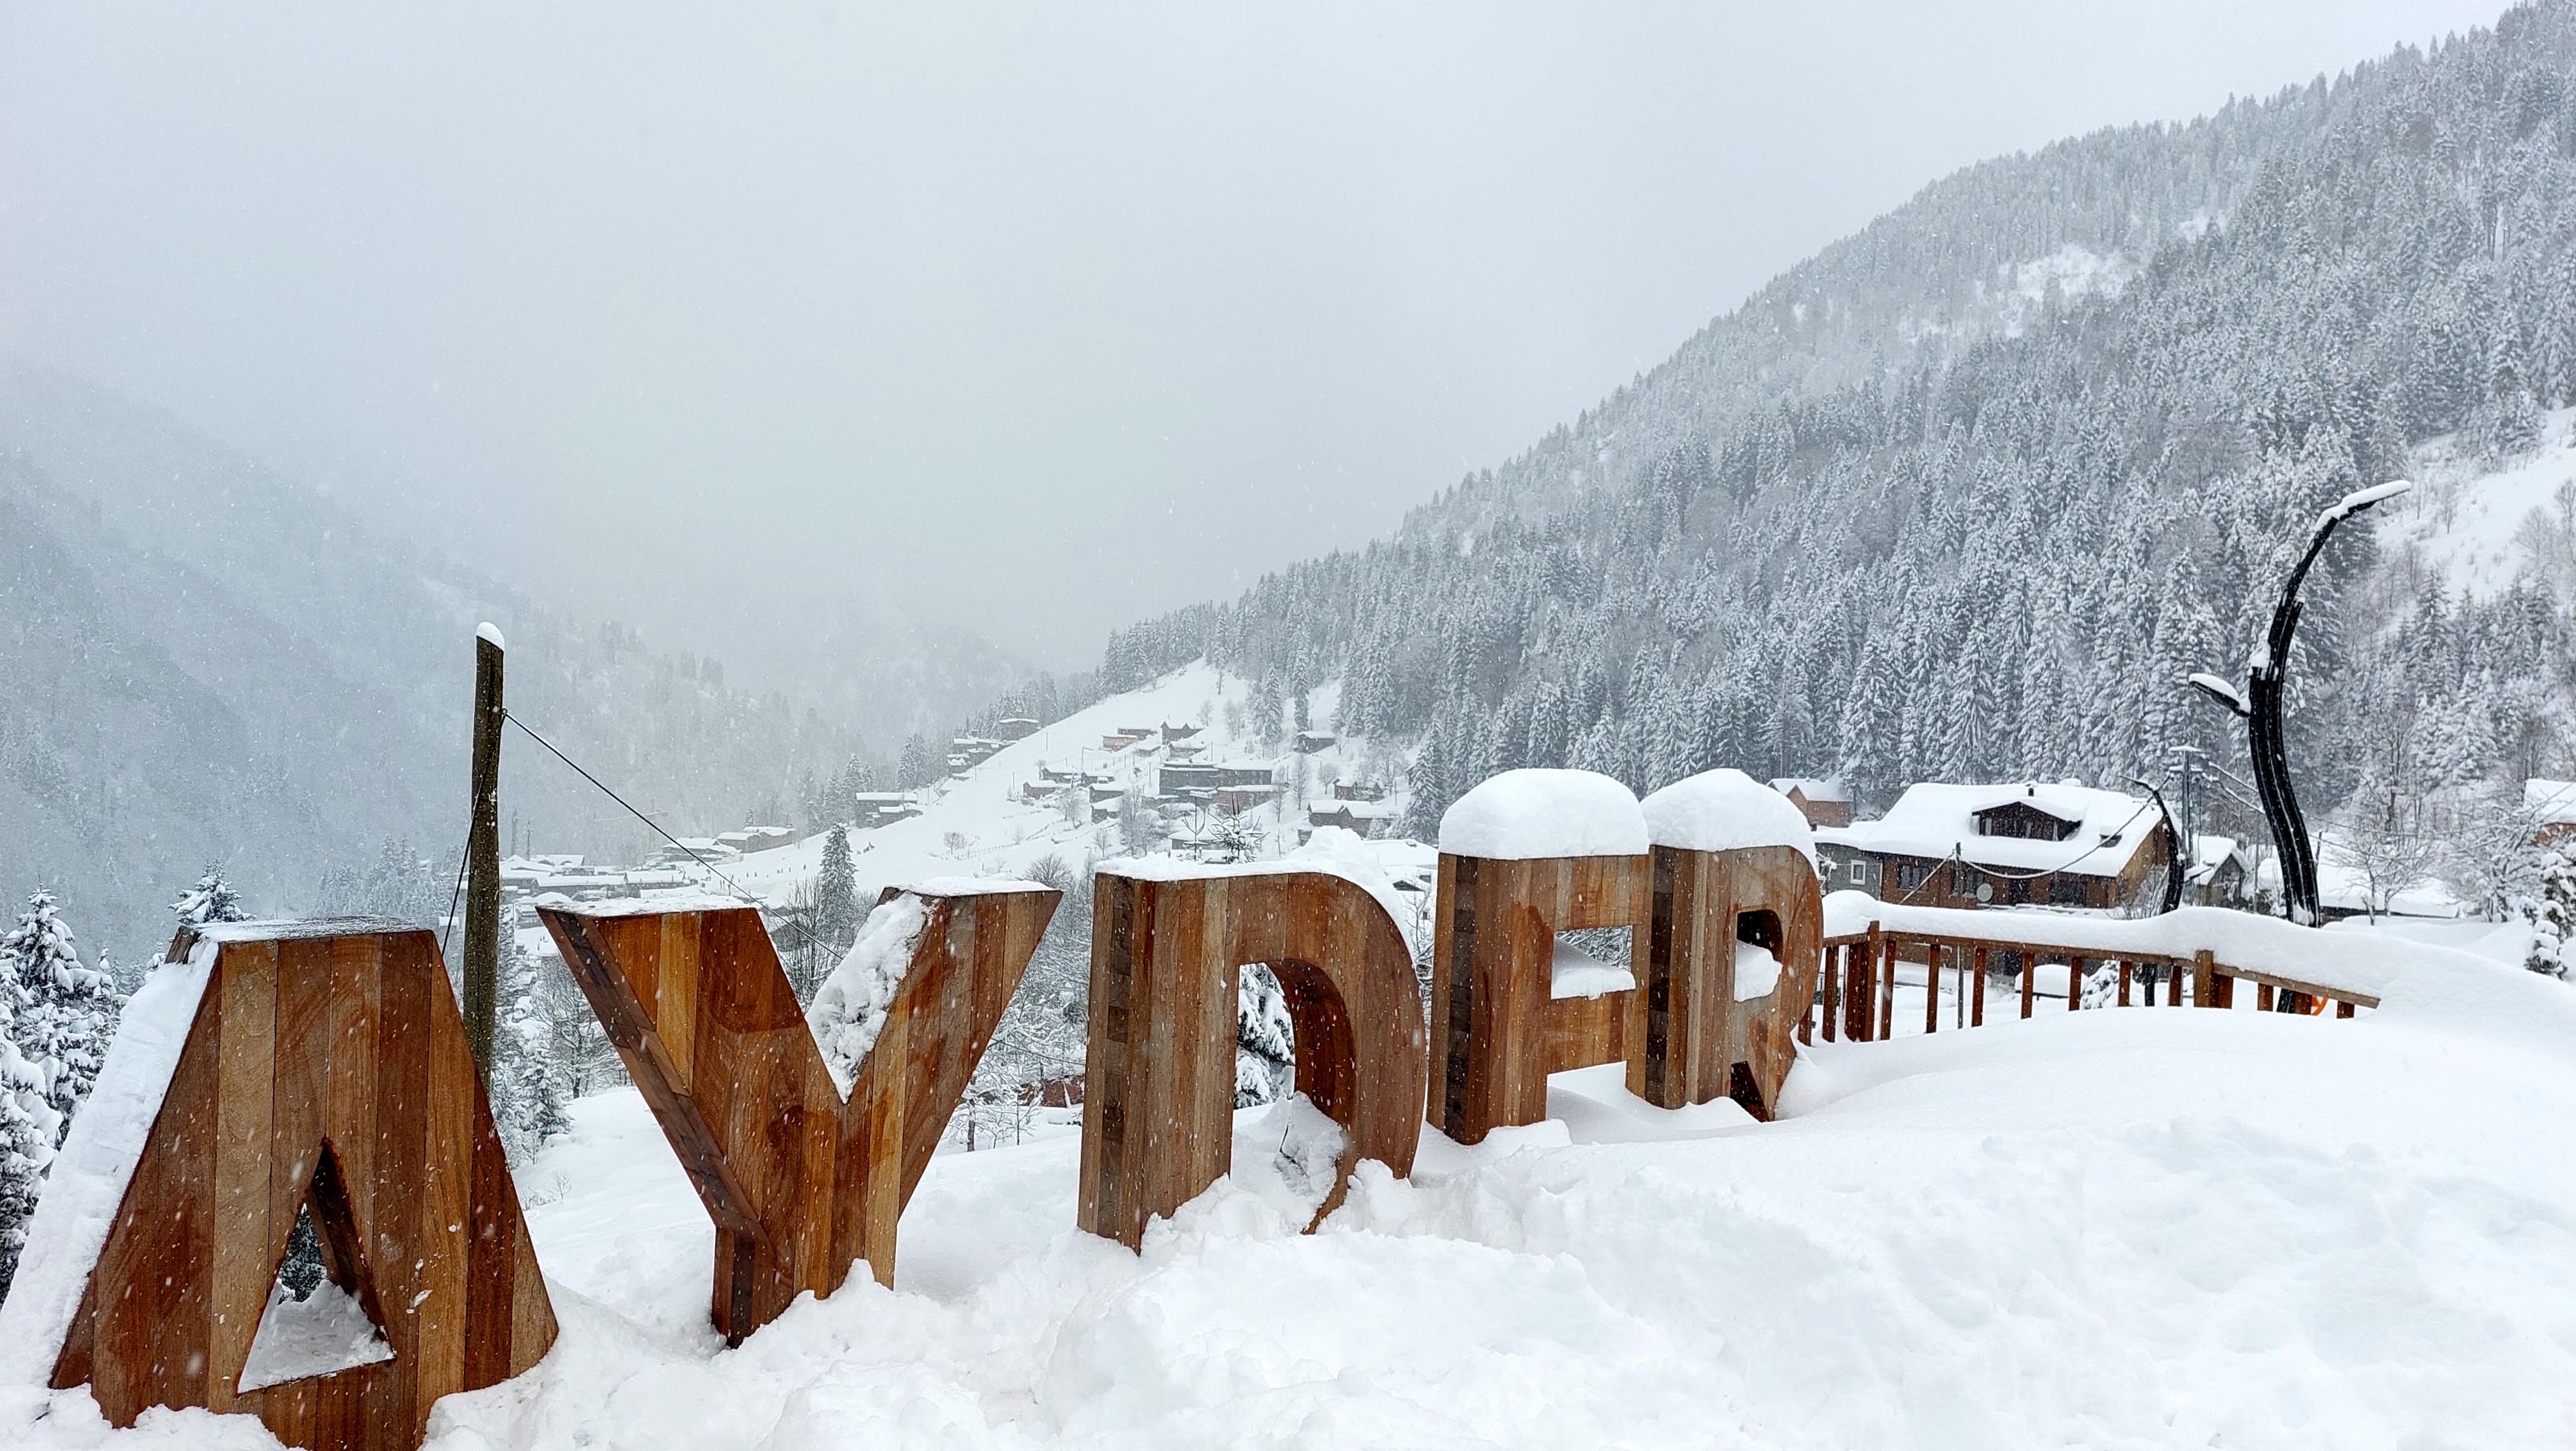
322,1315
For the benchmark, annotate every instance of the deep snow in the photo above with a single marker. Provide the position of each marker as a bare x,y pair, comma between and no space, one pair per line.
2137,1228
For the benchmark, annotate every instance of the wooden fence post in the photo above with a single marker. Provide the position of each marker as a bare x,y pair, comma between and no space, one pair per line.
2204,980
1835,958
1887,1002
1977,965
2173,984
1931,988
2074,983
2124,982
1858,1008
2029,982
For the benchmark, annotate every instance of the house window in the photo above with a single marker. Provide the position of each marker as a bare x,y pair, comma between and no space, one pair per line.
2066,890
1911,876
1859,874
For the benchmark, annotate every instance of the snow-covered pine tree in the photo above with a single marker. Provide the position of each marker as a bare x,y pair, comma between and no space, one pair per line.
56,1018
212,899
531,1085
836,894
1265,1057
28,1125
65,1013
2550,908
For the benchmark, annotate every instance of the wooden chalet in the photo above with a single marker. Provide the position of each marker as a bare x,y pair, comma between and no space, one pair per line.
2551,805
1823,802
883,808
1945,845
1235,800
2221,873
1368,818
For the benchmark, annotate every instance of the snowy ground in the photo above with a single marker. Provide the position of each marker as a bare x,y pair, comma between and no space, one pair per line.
2138,1228
2106,1229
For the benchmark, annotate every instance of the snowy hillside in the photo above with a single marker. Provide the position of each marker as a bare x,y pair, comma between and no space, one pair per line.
981,822
2477,527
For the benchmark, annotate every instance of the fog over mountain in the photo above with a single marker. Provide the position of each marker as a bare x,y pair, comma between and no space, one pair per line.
1029,322
793,388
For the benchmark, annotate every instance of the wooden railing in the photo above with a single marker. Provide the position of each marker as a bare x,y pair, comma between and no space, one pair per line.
1856,991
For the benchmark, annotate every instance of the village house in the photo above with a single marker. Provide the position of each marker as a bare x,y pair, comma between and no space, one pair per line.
1173,733
2551,805
1945,845
1359,791
750,839
1120,740
1175,777
2221,875
883,808
1015,728
1369,818
1309,742
1235,800
1822,802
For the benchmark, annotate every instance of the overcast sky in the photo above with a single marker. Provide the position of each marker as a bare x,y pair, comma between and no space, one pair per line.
1034,320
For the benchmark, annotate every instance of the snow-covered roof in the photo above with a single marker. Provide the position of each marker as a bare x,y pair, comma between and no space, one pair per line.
2553,802
2210,853
1814,788
1934,819
1358,810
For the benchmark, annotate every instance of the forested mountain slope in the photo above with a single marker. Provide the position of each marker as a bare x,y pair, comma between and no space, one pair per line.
1964,495
205,662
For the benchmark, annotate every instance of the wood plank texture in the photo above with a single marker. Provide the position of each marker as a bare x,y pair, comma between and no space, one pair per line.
1700,1041
1497,1028
325,1068
1166,960
799,1181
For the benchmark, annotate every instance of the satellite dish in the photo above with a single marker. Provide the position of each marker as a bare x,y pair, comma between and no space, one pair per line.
1985,891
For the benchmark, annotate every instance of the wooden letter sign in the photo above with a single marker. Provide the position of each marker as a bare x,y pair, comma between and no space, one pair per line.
1716,906
1166,959
1499,1028
324,1074
799,1180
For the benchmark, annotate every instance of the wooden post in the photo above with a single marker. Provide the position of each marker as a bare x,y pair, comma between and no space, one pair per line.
2263,997
2074,983
483,856
1858,1007
1977,971
2029,981
2204,980
2173,984
1887,1000
1835,958
2343,1009
1931,988
2124,982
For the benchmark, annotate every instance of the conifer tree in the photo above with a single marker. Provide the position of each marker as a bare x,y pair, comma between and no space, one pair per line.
66,1013
531,1085
212,899
836,894
56,1019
